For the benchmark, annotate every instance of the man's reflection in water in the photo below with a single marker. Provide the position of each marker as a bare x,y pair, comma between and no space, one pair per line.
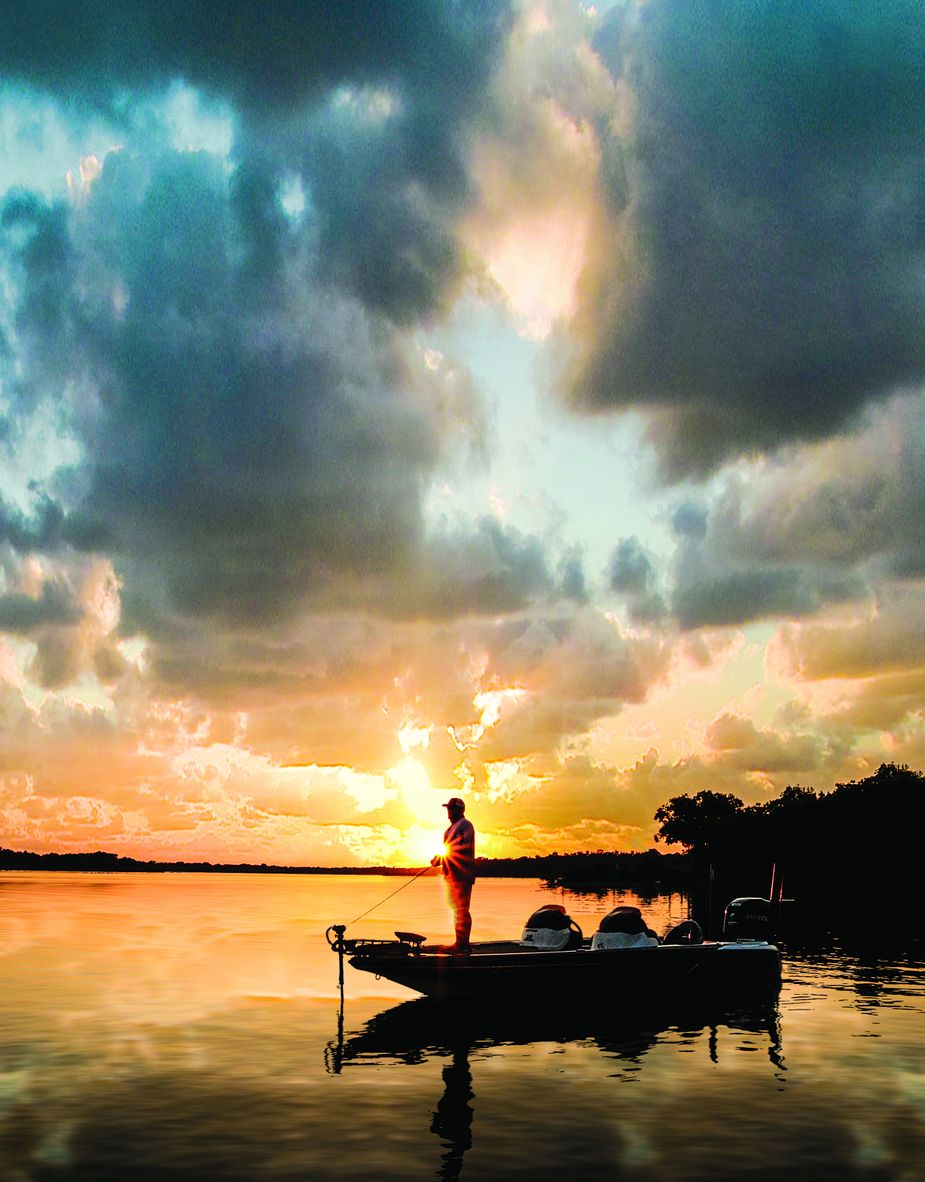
395,1033
452,1120
415,1031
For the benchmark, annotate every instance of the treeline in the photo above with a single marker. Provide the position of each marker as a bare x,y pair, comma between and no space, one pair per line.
603,867
105,862
599,866
856,843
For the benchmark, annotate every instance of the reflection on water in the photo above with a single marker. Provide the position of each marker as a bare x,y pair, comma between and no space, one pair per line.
452,1120
181,1028
412,1033
408,1033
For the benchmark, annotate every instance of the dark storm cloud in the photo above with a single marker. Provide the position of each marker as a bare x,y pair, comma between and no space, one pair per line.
44,528
367,103
856,502
633,575
630,568
25,614
572,577
256,429
252,437
274,55
770,210
735,597
241,448
727,570
491,570
714,584
826,524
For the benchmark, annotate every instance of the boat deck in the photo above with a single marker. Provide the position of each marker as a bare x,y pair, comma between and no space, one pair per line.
483,948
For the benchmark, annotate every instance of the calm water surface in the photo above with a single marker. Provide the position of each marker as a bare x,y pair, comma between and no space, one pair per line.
185,1027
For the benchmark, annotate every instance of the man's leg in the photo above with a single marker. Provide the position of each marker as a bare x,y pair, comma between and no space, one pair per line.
460,896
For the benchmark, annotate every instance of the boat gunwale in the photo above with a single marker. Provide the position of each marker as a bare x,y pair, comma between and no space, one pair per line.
482,957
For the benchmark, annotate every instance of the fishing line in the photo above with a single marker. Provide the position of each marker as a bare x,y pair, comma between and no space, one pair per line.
386,899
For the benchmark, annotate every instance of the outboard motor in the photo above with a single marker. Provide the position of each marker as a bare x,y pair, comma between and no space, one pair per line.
623,927
748,919
551,929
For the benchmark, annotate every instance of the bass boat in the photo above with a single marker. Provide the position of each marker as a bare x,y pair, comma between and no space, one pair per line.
623,957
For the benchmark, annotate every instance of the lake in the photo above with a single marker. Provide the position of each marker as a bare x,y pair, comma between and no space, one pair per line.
186,1027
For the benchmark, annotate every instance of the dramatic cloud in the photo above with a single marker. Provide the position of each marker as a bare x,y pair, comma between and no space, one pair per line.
850,503
762,280
633,577
240,452
381,158
712,587
221,334
274,60
737,742
888,638
822,525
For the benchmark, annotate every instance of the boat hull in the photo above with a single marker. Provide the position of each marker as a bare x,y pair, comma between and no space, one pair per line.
505,971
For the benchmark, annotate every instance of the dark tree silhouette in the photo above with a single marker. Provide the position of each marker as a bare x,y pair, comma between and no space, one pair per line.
850,851
703,823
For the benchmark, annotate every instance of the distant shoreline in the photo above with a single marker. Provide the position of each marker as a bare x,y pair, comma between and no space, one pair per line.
110,863
598,867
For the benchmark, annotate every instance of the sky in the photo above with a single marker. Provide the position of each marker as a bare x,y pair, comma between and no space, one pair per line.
520,401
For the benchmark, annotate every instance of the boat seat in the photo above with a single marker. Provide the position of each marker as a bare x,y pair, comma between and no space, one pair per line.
624,927
601,941
688,931
411,938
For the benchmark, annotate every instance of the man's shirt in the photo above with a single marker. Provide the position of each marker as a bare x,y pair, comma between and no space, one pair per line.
459,859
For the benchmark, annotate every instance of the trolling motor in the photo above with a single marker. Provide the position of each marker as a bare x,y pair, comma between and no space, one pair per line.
337,941
339,945
338,929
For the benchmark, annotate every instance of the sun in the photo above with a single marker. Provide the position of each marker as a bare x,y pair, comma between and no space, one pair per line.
420,845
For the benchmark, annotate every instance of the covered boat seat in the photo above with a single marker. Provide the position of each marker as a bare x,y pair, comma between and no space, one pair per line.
623,927
551,929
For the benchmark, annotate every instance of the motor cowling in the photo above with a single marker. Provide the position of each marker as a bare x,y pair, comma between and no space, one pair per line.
747,919
551,929
623,927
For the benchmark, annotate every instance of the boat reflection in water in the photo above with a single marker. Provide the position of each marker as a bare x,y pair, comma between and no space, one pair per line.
421,1030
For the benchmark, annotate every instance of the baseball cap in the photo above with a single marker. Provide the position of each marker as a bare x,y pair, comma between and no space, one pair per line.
455,802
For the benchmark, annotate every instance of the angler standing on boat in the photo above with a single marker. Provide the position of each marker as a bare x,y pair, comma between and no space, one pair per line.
458,864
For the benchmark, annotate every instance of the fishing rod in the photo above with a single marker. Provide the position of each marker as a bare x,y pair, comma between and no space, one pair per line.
339,944
386,899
